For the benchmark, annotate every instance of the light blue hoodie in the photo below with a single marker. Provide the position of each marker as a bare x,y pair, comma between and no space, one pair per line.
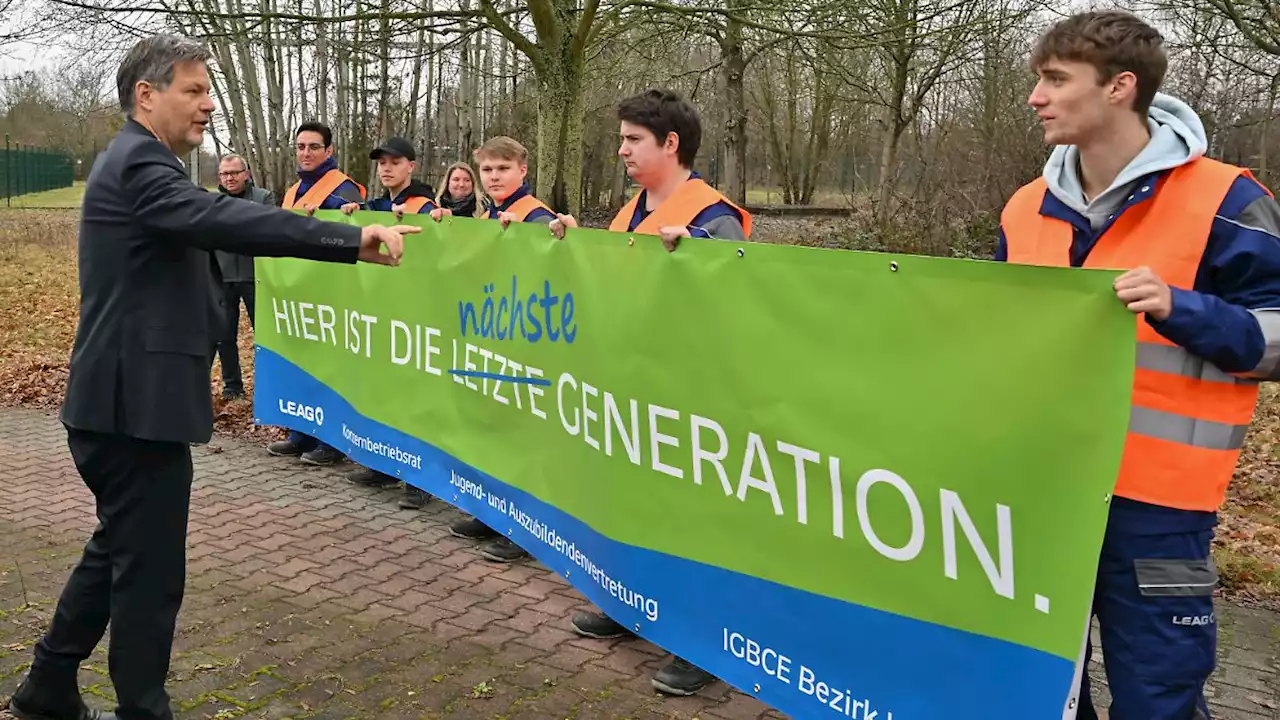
1177,137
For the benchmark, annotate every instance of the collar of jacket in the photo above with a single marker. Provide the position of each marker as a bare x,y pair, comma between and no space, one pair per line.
309,177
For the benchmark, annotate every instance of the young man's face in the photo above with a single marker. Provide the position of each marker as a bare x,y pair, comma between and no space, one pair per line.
501,176
1073,106
393,171
647,160
311,150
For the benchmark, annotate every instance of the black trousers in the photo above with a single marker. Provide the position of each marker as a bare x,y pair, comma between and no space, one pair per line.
233,293
132,573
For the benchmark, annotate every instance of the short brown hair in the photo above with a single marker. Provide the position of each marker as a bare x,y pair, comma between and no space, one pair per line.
662,112
1112,42
502,148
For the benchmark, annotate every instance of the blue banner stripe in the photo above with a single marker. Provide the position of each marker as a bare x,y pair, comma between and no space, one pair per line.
807,655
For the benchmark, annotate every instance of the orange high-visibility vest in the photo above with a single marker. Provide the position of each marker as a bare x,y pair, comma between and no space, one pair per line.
526,205
317,193
1188,418
690,199
414,204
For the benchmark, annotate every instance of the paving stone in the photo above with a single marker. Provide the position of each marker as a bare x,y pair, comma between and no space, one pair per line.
308,597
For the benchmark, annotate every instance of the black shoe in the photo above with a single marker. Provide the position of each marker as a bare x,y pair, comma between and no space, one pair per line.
24,705
503,550
366,477
597,626
472,529
680,677
284,448
323,455
413,498
232,393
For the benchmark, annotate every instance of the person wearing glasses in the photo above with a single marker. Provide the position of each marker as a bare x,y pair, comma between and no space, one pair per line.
235,179
321,186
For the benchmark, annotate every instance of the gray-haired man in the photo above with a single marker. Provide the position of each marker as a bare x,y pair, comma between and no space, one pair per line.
138,388
235,179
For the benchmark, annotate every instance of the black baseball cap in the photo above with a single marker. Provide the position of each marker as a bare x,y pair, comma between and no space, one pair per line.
396,147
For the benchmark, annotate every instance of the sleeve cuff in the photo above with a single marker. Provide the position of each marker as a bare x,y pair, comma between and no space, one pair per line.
1188,308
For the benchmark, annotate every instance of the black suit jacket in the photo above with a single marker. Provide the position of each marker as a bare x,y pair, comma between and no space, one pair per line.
140,363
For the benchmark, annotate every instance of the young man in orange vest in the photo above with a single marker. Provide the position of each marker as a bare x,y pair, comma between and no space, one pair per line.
396,160
661,133
1128,187
321,186
503,166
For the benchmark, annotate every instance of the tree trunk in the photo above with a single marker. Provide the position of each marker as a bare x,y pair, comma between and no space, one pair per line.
894,125
560,126
411,116
733,69
1264,141
322,64
275,101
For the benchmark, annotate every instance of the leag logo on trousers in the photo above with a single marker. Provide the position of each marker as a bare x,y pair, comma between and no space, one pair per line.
309,413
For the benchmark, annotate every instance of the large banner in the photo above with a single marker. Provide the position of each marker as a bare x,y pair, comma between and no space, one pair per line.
851,484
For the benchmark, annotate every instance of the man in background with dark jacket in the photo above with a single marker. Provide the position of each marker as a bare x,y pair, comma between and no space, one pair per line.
235,179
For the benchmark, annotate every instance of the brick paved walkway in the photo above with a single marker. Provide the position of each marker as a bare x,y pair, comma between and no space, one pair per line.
309,597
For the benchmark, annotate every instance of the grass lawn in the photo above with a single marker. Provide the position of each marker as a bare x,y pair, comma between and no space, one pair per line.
69,197
773,196
38,289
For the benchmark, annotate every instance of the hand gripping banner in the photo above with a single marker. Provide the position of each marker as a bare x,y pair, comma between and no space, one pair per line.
850,484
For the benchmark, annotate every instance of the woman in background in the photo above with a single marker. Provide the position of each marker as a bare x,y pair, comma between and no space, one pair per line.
462,194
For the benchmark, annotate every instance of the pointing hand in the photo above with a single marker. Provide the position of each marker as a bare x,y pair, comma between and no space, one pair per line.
374,237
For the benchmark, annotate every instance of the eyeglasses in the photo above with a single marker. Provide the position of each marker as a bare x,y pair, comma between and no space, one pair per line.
231,173
313,147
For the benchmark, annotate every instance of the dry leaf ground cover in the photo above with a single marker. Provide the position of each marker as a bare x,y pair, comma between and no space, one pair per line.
38,296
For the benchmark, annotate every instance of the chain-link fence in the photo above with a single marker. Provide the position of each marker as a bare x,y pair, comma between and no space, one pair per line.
25,169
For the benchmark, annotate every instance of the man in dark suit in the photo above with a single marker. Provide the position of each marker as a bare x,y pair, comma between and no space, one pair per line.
236,180
138,391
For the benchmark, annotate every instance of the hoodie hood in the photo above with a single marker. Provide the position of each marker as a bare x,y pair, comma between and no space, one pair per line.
1177,138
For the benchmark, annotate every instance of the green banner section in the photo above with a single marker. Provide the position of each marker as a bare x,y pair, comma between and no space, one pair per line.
935,438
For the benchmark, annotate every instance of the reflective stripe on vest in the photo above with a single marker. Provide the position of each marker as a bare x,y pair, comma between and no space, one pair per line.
679,210
414,204
525,205
316,194
1188,418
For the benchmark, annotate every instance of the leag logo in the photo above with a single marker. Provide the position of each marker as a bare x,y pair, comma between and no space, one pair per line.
309,413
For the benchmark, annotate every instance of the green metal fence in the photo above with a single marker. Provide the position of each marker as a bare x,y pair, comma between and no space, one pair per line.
25,169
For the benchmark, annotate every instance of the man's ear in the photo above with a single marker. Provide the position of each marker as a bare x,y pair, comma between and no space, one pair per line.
142,91
673,142
1124,88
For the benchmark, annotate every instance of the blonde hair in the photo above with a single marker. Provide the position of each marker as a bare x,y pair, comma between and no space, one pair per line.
482,200
502,148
